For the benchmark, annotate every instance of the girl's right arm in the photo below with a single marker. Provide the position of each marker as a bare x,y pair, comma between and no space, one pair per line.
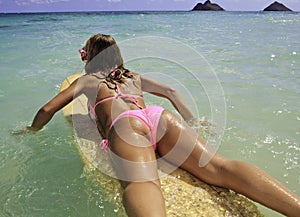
45,113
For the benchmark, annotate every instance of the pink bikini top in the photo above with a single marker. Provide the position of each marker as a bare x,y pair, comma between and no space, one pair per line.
132,97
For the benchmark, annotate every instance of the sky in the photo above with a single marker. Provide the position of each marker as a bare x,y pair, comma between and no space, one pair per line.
134,5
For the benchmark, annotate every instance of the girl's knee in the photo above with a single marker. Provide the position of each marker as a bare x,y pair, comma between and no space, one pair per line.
215,171
225,171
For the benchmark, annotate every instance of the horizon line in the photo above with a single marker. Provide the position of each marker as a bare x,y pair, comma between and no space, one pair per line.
91,11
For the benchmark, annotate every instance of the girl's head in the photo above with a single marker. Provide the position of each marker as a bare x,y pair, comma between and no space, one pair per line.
102,54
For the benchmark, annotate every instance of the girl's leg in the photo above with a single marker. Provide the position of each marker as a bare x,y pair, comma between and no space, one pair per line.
134,161
143,199
238,176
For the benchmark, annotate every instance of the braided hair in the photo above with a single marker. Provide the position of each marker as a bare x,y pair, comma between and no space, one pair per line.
117,75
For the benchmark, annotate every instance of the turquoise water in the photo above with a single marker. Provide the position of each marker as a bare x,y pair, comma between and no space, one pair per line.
256,57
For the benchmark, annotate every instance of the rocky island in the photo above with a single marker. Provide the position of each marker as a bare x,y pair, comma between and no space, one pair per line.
276,6
207,6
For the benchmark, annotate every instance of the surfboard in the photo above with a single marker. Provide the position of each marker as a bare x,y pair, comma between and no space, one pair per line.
184,194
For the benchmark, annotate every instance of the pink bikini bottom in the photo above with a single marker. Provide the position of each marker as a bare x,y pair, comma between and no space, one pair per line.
150,116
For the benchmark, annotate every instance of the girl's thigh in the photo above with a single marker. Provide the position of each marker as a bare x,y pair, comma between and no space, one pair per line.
132,154
185,148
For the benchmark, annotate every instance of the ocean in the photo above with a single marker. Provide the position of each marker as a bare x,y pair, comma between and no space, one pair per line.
248,61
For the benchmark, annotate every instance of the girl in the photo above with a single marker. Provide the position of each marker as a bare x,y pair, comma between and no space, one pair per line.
133,133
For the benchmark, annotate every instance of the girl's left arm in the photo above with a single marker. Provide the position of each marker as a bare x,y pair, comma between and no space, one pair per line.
163,90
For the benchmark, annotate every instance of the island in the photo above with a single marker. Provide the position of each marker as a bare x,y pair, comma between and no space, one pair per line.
276,6
207,6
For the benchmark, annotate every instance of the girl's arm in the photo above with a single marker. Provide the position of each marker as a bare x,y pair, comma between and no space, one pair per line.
45,113
162,90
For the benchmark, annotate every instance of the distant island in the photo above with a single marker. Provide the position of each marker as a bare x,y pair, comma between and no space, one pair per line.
276,6
207,6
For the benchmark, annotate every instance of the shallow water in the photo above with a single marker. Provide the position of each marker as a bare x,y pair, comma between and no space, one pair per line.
256,57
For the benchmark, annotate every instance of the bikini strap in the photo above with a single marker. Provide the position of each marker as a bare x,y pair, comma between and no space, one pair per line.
132,97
